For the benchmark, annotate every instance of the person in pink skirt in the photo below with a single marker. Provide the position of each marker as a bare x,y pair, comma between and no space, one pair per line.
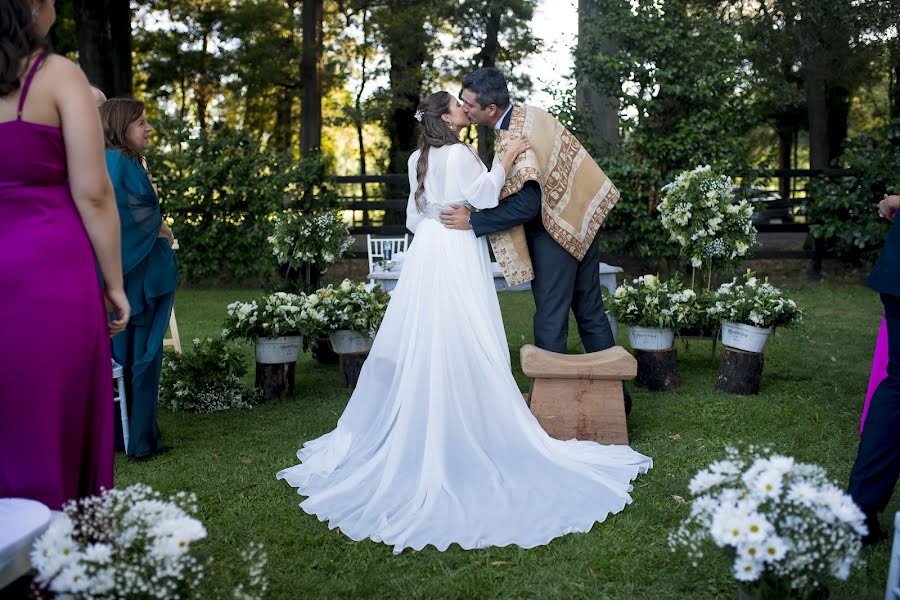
57,215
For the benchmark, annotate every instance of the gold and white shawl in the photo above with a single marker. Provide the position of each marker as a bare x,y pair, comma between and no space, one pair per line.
577,195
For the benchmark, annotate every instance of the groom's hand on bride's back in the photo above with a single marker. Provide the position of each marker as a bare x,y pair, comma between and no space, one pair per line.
456,216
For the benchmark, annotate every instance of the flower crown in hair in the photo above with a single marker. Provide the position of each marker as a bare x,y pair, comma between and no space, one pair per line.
418,116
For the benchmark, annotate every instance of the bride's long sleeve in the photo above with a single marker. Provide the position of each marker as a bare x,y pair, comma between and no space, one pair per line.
413,216
478,186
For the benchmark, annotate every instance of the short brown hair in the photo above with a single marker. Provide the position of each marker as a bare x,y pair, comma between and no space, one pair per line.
116,115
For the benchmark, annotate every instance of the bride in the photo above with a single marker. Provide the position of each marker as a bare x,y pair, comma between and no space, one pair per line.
436,445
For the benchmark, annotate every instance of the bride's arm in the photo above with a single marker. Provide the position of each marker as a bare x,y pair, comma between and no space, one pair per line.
478,186
413,216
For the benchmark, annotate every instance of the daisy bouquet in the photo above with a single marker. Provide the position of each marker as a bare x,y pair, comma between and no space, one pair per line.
130,543
786,525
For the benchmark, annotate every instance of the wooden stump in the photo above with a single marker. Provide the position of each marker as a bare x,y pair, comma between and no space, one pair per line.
579,396
275,381
322,351
351,365
657,369
740,372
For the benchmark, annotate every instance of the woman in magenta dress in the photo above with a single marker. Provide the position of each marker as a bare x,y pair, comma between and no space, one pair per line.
57,213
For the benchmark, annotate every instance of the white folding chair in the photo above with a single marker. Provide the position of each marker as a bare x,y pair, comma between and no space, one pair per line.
377,247
118,374
608,281
892,589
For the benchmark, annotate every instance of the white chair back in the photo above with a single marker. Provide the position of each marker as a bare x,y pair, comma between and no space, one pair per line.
377,247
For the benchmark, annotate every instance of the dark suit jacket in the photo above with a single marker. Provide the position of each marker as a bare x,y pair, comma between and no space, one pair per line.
885,277
523,207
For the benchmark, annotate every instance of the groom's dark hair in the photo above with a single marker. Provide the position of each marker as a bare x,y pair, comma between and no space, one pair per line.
489,86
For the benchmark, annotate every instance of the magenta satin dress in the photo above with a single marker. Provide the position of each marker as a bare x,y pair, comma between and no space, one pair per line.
56,407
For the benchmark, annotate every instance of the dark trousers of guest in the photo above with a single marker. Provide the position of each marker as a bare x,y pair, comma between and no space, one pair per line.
877,465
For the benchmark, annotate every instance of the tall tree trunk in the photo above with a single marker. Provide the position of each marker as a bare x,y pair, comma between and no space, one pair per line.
817,108
837,101
311,74
201,87
104,44
488,58
284,119
358,103
786,128
600,113
120,44
94,51
894,83
407,44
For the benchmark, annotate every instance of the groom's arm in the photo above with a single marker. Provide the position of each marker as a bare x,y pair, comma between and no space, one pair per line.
517,209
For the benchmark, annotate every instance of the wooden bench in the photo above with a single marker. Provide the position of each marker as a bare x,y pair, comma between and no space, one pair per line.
580,395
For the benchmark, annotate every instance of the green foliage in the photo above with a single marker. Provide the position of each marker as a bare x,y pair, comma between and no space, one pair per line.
701,215
761,304
358,307
305,239
649,302
220,190
842,212
205,379
674,68
276,315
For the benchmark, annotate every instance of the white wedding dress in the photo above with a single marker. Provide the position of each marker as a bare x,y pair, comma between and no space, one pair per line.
436,445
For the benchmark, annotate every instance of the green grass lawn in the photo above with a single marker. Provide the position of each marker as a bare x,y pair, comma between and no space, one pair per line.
812,392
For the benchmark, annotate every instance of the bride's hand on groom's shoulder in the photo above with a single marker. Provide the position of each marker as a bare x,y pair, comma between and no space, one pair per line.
517,146
514,148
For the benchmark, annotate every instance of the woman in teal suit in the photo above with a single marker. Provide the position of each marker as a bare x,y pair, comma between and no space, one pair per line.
149,266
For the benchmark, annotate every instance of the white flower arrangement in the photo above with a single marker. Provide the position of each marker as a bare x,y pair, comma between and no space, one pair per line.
276,315
754,302
317,239
787,527
649,302
700,213
129,543
358,307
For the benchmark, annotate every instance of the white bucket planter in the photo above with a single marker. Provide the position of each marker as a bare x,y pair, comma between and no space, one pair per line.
650,338
276,351
745,337
346,341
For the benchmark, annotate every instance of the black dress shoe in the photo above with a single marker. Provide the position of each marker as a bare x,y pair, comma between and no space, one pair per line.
876,533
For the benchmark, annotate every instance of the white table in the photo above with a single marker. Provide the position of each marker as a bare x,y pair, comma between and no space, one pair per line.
388,279
21,522
608,281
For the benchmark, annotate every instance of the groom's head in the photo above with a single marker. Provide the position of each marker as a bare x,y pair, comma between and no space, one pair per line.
485,96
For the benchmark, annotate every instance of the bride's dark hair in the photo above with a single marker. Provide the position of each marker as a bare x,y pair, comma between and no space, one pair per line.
433,132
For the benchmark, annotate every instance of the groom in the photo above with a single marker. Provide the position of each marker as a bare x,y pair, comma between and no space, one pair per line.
545,235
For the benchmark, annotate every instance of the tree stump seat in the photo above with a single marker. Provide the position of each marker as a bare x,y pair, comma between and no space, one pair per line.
579,396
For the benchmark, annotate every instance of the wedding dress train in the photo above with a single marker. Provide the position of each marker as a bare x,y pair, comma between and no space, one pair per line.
436,444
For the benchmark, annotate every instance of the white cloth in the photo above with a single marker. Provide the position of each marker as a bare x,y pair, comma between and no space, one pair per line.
436,445
21,522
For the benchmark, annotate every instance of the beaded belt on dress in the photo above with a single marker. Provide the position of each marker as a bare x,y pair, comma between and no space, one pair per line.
433,211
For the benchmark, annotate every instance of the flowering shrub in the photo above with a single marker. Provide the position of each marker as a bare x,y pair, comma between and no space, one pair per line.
318,239
786,525
649,302
755,303
276,315
205,379
359,307
699,213
129,543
